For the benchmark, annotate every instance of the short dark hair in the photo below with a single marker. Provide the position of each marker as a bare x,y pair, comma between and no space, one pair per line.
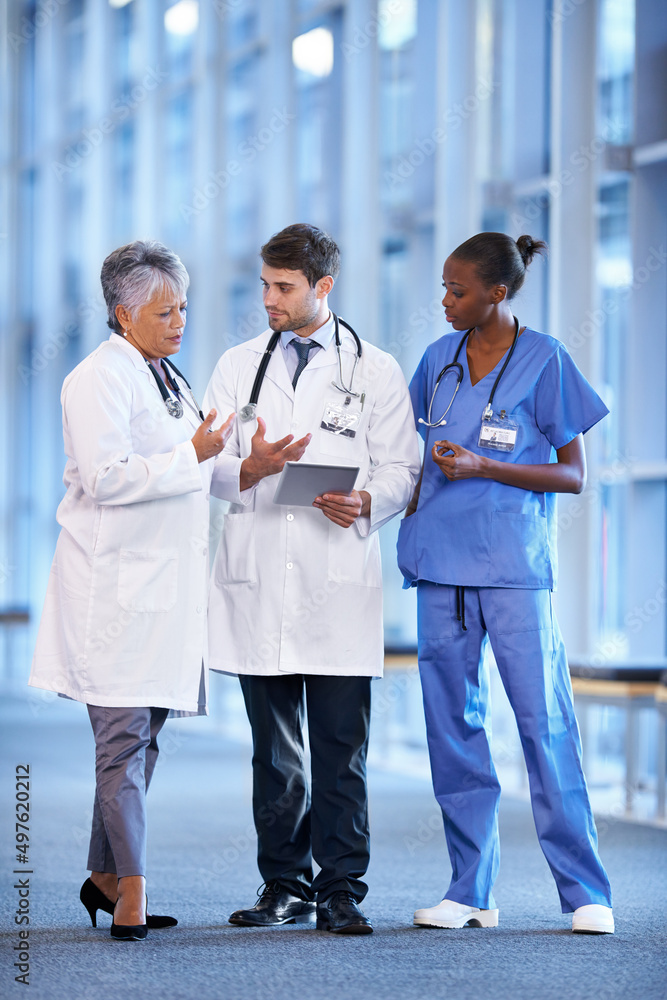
306,248
500,260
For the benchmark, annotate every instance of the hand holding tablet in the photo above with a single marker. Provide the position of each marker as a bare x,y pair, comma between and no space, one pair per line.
301,483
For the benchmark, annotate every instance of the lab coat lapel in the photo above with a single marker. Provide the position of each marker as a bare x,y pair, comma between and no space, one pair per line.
321,359
277,371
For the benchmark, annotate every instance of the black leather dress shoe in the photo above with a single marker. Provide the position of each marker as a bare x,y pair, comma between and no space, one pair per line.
275,905
340,914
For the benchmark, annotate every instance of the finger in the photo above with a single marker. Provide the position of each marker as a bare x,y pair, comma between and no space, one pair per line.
228,426
295,451
342,522
448,446
261,429
209,419
300,445
340,499
282,444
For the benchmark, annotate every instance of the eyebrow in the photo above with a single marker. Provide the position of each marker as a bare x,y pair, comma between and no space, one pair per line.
265,282
457,283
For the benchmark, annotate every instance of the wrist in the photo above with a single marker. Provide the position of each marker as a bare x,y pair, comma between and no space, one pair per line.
486,467
249,474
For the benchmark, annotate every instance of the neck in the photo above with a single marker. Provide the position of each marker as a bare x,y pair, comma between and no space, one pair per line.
322,317
149,357
497,332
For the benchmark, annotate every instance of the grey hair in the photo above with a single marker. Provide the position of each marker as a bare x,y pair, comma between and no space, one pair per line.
134,274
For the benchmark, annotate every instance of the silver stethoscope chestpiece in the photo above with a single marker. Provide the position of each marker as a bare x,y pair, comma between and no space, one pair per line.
248,412
174,407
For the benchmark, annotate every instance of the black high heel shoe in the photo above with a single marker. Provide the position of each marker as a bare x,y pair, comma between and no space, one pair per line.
94,899
128,932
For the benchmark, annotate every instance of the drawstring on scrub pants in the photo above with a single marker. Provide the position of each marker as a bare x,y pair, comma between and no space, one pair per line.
461,607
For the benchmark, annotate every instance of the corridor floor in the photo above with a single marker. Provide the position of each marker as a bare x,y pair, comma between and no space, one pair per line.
201,867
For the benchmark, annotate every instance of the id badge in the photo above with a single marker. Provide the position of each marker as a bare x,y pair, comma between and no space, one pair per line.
340,419
498,433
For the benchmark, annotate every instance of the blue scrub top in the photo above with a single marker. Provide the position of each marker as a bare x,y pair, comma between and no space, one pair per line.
477,532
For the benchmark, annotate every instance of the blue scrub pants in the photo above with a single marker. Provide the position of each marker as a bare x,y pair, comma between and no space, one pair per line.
530,654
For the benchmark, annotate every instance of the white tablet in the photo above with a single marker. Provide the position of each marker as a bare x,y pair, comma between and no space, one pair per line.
300,482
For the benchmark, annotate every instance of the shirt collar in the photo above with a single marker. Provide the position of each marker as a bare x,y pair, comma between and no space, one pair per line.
322,336
136,356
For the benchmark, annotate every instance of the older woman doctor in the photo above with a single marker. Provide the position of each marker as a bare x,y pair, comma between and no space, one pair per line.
124,623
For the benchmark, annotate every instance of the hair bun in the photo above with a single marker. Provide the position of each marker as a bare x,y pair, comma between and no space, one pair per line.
528,247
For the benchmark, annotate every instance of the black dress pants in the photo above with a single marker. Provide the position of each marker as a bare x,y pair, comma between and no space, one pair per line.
293,828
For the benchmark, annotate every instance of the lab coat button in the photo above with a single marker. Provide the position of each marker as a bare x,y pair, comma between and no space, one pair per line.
290,517
290,565
200,610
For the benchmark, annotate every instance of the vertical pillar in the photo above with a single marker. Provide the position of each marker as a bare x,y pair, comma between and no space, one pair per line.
360,231
572,243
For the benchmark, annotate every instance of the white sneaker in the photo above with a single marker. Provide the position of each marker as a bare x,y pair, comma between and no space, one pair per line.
593,919
451,914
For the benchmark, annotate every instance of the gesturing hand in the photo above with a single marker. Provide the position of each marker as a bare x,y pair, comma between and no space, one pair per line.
267,458
457,462
207,442
343,509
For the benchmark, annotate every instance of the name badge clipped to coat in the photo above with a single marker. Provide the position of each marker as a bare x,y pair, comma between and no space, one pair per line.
341,419
498,433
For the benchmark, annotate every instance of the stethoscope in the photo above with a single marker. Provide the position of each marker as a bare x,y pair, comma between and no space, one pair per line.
249,411
174,406
456,366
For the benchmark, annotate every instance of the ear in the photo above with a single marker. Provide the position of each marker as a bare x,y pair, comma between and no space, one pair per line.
498,294
123,316
324,286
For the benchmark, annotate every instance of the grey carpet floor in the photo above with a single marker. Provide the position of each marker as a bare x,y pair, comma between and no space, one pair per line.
201,867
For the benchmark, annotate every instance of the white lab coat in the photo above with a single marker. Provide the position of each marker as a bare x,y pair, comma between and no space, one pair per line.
291,591
124,622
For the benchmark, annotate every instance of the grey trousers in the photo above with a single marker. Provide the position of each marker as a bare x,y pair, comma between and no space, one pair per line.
126,752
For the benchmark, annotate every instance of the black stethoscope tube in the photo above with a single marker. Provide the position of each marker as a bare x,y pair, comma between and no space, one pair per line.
455,365
248,411
164,392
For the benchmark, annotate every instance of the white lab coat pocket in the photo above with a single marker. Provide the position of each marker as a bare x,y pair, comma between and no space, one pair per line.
236,561
148,580
353,559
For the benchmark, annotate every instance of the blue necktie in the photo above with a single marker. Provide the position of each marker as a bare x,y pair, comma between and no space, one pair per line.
302,348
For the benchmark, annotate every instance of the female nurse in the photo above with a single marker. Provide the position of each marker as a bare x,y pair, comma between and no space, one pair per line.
502,409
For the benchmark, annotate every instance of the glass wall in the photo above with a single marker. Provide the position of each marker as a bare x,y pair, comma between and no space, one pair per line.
402,126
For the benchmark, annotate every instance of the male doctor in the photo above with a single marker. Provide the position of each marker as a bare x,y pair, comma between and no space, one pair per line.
296,599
